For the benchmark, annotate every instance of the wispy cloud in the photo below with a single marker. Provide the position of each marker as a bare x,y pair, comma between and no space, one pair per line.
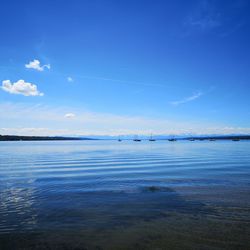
110,79
204,17
85,123
121,81
20,88
47,120
44,120
35,64
187,99
204,23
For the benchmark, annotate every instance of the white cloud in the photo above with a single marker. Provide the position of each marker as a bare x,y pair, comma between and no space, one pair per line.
69,115
187,99
20,88
70,79
35,64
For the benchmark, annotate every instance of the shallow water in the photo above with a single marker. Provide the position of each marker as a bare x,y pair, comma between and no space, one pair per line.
125,195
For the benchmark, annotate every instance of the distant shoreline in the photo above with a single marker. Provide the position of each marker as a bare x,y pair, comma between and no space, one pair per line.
40,138
226,137
66,138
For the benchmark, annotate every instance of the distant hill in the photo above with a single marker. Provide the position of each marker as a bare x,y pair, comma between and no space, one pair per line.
124,137
220,137
177,137
39,138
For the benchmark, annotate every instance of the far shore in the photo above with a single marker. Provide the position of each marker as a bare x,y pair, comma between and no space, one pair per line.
39,138
143,138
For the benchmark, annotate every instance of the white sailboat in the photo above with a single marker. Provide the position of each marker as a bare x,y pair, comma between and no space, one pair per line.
151,138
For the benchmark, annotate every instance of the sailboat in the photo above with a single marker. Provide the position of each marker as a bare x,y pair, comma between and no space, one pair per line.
151,138
136,138
172,139
119,138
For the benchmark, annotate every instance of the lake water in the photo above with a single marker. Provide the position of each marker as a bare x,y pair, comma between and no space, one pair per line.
125,195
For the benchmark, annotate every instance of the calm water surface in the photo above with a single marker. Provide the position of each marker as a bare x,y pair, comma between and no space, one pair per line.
125,195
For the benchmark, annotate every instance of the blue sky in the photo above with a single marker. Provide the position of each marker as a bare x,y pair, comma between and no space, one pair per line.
124,67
